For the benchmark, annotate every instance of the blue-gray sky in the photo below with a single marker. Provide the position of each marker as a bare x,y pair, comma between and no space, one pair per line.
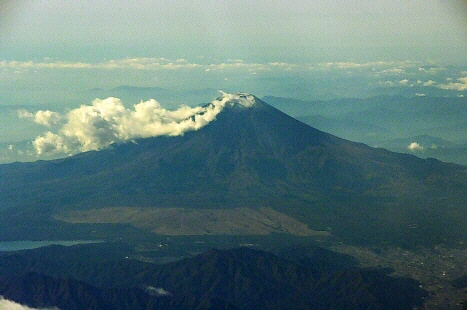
358,30
58,55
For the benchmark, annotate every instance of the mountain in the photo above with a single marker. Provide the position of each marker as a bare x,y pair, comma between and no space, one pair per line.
252,156
384,120
238,278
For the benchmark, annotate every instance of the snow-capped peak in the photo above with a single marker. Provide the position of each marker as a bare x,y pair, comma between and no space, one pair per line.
243,99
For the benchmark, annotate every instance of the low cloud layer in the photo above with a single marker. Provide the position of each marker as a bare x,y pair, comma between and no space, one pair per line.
458,86
108,121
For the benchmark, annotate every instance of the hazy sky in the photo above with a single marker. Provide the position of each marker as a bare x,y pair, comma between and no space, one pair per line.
58,55
357,30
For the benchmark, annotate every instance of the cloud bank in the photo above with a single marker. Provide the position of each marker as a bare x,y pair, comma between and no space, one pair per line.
149,64
107,121
458,86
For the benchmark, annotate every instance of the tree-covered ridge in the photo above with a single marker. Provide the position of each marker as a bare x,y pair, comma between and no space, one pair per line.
240,278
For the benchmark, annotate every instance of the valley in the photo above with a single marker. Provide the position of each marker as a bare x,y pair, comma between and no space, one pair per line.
436,269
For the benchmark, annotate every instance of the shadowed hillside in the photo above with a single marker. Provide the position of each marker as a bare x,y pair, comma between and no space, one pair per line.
218,279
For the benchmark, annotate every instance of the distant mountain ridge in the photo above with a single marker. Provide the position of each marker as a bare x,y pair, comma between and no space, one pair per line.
379,121
252,157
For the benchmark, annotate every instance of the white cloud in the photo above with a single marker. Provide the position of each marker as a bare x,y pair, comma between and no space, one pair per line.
46,118
460,86
142,63
40,65
246,66
414,146
50,143
393,71
404,82
432,70
283,65
156,291
388,67
107,121
429,83
23,113
152,63
6,304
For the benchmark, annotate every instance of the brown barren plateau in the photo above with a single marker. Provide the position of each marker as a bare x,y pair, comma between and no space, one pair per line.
182,221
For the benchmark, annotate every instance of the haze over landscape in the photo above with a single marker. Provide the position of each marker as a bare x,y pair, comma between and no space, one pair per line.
57,56
326,139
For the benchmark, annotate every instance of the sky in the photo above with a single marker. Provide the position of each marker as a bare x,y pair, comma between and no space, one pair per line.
354,30
56,56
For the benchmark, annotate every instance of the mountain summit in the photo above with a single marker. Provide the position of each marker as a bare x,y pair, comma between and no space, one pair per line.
250,156
238,99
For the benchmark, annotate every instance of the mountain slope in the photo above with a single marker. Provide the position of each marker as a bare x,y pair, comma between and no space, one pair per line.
379,120
253,156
